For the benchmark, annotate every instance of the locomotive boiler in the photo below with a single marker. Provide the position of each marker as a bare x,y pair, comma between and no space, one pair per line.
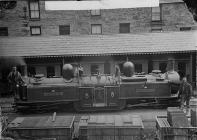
99,92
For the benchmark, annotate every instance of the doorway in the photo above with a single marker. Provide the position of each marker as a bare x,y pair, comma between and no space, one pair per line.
182,69
99,97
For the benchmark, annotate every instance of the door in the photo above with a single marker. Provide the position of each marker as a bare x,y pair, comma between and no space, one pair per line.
99,97
182,69
86,96
112,95
106,68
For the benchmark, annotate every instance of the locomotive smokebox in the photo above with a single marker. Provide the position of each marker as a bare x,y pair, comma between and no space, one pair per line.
128,69
68,72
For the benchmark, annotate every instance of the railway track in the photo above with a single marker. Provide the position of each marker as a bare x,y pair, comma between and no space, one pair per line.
6,105
7,109
147,114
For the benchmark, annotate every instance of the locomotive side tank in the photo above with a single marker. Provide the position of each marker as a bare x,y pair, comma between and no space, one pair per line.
99,92
44,92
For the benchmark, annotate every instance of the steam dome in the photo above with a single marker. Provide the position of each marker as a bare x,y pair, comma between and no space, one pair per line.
68,72
128,69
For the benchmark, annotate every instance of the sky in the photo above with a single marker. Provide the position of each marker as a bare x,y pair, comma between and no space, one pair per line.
99,4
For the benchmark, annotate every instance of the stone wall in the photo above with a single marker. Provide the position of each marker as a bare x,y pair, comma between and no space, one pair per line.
173,16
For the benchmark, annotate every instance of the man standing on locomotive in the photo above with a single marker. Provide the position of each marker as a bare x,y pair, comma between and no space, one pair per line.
14,79
185,93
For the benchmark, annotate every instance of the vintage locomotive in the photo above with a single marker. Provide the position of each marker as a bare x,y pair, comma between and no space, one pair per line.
99,92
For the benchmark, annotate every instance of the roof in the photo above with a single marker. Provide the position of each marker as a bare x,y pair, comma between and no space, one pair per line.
41,122
103,4
170,1
99,4
99,45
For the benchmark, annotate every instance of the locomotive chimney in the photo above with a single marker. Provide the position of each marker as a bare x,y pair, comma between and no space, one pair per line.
171,74
171,64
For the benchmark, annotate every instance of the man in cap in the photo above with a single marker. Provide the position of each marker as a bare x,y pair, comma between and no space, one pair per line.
14,79
185,93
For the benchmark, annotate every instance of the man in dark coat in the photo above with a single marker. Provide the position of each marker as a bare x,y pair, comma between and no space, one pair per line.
80,68
14,79
185,92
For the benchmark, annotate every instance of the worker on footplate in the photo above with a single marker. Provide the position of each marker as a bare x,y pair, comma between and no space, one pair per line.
185,93
14,79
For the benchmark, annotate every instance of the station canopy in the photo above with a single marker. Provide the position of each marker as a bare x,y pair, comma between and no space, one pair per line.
99,4
99,45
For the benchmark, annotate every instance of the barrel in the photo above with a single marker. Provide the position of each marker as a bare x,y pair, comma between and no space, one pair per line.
193,106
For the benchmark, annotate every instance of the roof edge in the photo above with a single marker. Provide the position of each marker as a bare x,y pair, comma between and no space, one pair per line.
110,54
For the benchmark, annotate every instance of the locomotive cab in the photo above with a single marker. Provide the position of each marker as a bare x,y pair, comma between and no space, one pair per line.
100,92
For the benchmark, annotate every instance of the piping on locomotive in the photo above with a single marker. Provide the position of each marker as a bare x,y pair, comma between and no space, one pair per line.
99,92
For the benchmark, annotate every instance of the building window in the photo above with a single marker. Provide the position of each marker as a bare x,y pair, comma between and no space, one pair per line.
138,68
64,29
3,31
163,67
96,12
156,24
96,29
94,69
185,28
107,68
34,9
35,30
156,15
8,4
50,71
124,28
31,71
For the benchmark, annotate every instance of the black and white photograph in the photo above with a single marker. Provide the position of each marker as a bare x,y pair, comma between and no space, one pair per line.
98,69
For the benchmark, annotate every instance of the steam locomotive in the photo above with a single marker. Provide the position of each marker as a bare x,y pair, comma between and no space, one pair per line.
99,92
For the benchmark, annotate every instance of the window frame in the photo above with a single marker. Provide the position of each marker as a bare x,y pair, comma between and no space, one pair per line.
6,33
120,28
137,66
64,26
49,72
161,65
160,14
31,71
91,68
96,25
35,27
34,18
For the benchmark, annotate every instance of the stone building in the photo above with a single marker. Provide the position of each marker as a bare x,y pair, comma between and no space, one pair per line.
98,39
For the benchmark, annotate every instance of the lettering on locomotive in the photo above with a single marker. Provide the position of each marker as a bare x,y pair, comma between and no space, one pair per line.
53,93
145,90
